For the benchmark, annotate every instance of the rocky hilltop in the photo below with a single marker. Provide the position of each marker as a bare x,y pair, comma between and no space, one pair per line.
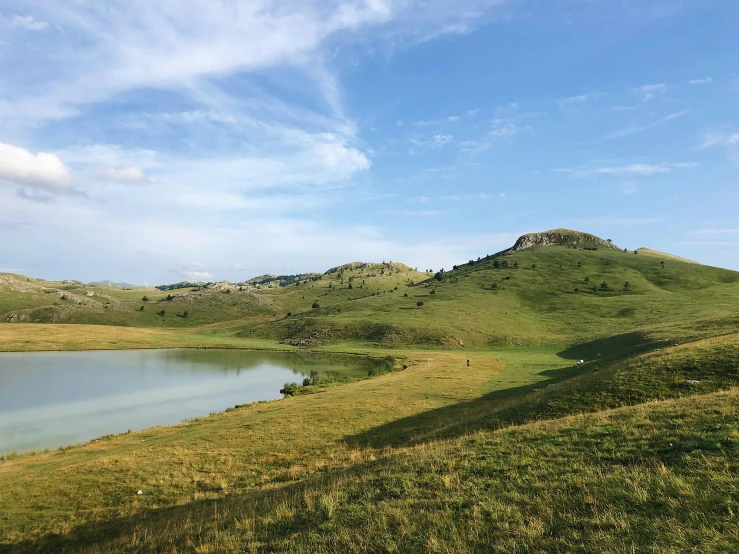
560,237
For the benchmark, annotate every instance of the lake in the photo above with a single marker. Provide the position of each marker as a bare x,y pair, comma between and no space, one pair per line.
53,399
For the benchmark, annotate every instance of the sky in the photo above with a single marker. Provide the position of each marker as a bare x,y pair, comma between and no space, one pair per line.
155,142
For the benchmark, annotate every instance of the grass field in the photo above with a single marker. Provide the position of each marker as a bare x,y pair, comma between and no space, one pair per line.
522,451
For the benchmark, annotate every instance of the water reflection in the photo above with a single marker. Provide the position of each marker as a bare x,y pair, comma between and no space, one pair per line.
54,399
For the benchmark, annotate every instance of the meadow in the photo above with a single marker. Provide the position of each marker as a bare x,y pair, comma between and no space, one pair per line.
522,450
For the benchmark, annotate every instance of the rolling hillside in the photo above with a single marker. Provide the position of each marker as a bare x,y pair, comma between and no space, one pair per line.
559,287
488,436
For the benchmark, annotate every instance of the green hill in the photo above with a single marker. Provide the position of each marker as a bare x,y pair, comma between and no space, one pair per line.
550,288
523,449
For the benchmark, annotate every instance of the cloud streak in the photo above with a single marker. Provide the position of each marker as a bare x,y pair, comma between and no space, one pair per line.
28,23
634,129
645,170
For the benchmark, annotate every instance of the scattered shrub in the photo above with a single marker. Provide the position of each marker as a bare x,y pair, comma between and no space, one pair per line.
289,389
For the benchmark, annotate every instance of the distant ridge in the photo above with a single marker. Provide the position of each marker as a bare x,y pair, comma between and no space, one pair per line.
559,237
109,283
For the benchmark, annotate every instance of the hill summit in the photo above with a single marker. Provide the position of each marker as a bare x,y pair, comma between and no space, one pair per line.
560,237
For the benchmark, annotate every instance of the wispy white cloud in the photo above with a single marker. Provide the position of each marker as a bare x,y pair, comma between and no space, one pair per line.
650,91
717,139
506,110
634,129
195,271
502,130
451,198
417,213
721,233
579,99
127,175
433,142
626,170
620,221
727,141
705,81
710,243
439,122
28,22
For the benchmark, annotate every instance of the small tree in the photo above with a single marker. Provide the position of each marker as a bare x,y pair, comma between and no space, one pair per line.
604,286
494,285
316,305
141,309
515,265
579,264
289,389
533,266
627,285
419,303
587,279
145,299
433,291
496,264
288,314
161,313
662,263
185,314
610,241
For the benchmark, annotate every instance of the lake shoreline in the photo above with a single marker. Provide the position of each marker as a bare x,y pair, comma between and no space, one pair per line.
58,394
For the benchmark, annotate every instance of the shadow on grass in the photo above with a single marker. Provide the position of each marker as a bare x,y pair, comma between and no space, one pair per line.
180,528
491,410
613,348
119,534
456,419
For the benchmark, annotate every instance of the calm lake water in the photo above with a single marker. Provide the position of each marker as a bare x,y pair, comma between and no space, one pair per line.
54,399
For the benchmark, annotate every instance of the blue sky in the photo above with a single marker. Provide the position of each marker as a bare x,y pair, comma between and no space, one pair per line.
158,141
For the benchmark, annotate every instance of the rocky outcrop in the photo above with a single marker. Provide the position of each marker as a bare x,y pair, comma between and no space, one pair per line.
560,237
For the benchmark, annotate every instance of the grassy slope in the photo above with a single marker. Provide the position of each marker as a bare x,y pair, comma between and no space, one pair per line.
352,445
678,302
356,453
528,306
